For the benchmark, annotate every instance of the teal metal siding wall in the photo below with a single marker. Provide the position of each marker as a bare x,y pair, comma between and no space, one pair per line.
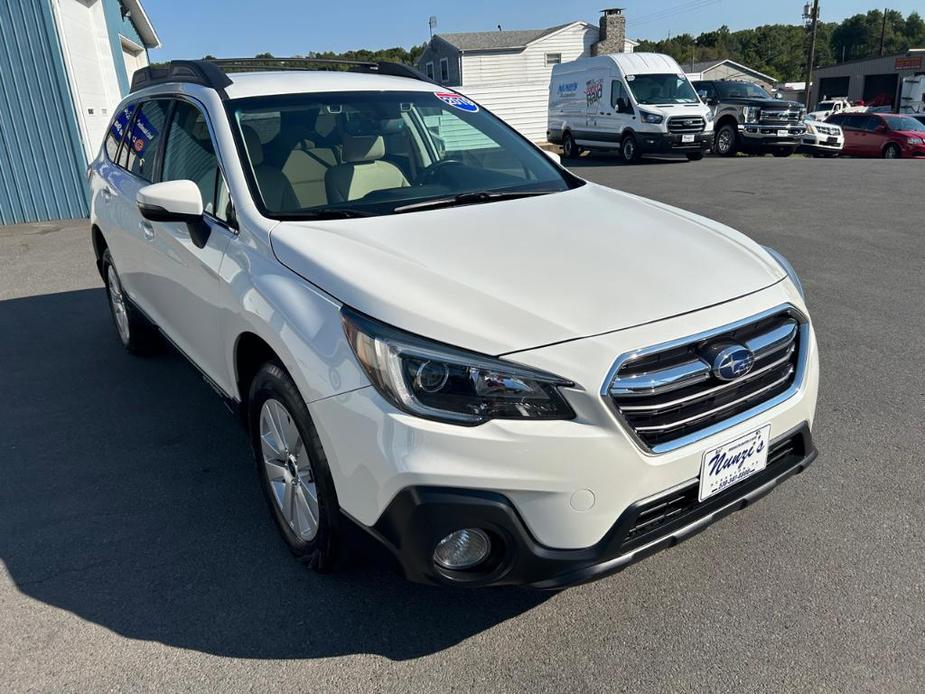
116,25
42,166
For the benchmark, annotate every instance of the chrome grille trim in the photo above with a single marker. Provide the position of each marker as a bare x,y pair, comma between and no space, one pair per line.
686,124
791,335
662,381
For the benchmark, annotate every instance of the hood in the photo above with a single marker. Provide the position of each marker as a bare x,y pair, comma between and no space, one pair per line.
770,104
513,275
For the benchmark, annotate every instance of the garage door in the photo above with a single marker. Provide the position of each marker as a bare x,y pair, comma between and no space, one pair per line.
42,165
880,90
834,87
134,56
88,53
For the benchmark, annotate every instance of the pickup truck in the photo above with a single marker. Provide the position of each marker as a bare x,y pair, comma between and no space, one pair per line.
829,107
748,119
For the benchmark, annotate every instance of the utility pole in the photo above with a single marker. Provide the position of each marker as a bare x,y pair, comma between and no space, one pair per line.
811,17
883,32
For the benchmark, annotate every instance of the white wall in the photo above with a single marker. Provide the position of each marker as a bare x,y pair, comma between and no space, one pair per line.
515,85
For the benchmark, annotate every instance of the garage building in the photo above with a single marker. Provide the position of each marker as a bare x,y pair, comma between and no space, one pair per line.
875,81
64,66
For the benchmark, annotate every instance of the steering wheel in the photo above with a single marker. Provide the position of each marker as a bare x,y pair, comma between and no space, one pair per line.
431,173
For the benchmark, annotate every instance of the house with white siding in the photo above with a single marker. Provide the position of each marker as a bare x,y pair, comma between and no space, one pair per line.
508,72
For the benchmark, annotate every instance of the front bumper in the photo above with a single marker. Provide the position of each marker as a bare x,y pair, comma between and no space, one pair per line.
822,143
419,517
769,136
667,143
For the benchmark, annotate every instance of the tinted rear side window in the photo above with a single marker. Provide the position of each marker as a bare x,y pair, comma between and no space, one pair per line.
117,130
145,137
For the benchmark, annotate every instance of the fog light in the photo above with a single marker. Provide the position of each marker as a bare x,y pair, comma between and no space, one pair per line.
462,549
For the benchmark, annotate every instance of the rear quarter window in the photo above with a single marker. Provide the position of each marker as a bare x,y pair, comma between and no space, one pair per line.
144,138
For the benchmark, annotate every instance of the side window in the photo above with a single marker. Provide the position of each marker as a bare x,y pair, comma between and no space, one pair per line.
852,122
838,119
145,137
872,123
429,69
190,154
117,131
444,70
619,99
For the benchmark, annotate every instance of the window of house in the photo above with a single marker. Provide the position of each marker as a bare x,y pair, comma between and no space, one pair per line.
444,70
429,69
144,138
553,58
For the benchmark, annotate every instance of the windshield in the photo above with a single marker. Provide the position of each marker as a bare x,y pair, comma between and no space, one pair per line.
372,153
903,123
662,89
741,90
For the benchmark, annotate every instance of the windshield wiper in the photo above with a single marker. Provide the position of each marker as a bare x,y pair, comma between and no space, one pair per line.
332,213
473,198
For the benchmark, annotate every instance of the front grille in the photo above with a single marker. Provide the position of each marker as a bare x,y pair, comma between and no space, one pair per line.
669,393
686,124
682,506
825,129
786,117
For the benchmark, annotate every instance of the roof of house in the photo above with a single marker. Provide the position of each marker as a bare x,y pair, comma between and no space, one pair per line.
497,40
142,24
710,64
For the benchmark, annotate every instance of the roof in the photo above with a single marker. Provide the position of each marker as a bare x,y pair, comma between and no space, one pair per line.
142,24
247,84
499,40
707,65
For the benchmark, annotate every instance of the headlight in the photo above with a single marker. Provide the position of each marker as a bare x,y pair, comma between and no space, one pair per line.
436,381
810,128
788,268
652,118
752,114
914,140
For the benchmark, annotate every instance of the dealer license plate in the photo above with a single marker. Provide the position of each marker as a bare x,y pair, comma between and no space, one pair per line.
687,138
783,133
732,462
832,141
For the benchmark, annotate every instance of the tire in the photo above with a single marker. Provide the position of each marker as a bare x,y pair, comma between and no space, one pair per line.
694,156
892,151
727,141
629,148
293,469
135,333
570,149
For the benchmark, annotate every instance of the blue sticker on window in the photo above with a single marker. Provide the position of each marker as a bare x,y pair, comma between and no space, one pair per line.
121,122
457,101
142,133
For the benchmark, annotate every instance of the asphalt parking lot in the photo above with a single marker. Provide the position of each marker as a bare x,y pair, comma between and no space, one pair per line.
138,554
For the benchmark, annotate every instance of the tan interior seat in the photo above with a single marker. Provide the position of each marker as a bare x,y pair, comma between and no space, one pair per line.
275,188
363,170
305,168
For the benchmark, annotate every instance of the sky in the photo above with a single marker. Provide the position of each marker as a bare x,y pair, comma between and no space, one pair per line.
235,28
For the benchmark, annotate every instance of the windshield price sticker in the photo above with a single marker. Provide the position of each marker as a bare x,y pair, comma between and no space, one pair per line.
457,101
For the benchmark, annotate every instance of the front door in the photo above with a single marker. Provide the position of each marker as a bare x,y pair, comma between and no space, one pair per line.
185,285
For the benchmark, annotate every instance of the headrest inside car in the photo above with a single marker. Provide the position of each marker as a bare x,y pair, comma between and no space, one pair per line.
360,148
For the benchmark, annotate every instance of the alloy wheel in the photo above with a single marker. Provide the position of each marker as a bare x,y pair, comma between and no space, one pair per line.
117,301
288,470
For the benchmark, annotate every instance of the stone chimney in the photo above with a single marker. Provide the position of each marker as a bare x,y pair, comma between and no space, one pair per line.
612,33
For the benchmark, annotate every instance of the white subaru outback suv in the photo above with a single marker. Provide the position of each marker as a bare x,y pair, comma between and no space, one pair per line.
504,373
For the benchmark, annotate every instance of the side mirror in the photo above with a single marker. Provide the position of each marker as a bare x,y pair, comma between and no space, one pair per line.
623,105
554,156
175,201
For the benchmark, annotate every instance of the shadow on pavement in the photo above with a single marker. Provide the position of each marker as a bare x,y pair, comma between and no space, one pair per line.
130,499
593,160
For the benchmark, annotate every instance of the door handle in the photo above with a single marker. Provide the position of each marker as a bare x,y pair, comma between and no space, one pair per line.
148,230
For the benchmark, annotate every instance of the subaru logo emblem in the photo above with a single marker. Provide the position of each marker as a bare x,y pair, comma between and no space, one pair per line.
732,362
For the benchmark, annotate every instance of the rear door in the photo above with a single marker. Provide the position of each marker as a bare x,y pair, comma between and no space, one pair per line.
184,283
135,168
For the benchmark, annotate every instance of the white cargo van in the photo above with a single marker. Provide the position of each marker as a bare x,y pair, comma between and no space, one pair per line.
639,103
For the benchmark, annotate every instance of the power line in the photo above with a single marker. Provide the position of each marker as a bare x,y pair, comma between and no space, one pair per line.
673,11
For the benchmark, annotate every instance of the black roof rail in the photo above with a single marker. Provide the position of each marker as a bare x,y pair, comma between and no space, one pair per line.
193,71
214,73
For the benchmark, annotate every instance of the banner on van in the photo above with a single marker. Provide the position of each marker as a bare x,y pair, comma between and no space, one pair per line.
594,91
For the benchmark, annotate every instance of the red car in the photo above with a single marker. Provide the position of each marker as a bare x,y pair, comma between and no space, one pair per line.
886,135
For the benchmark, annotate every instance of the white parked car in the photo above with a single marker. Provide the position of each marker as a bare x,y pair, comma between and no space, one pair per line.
634,103
822,139
829,107
505,373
